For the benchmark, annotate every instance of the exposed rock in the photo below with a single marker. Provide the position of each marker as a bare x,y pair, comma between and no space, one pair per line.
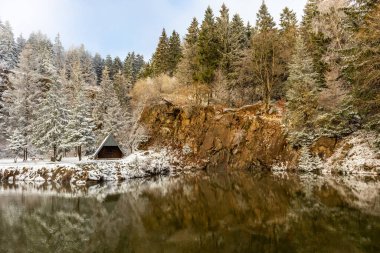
324,146
225,139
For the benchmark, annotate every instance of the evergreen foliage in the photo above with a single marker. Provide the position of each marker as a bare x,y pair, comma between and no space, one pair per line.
188,66
301,91
50,121
315,40
208,49
174,52
160,62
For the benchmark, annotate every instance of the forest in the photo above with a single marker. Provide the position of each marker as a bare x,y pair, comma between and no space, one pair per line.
323,70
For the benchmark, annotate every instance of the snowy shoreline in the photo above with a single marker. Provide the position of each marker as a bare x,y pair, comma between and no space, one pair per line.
137,165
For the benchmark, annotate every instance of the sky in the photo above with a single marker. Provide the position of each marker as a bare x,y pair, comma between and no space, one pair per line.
117,27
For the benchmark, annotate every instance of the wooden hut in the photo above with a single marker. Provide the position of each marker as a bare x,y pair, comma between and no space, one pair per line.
109,149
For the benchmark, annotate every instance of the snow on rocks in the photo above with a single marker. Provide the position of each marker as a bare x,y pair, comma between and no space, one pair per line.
140,164
357,154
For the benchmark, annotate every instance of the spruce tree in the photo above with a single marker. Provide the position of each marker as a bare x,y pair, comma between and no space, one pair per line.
238,43
20,44
108,62
128,70
8,53
175,52
17,143
160,62
264,21
287,39
58,53
122,87
80,125
188,66
301,94
50,121
208,56
108,113
223,31
365,71
315,41
117,66
98,63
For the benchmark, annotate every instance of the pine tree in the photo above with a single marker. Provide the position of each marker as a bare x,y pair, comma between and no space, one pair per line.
128,70
49,125
301,92
208,52
264,21
238,43
175,52
132,66
305,163
98,63
32,79
365,58
17,143
58,53
108,62
160,63
86,64
108,114
122,86
80,125
315,41
287,40
8,53
223,31
265,54
20,44
188,66
117,66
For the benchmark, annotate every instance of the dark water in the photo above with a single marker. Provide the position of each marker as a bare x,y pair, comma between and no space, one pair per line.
238,212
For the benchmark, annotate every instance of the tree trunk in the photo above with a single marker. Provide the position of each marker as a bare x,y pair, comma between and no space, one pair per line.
79,148
54,153
25,154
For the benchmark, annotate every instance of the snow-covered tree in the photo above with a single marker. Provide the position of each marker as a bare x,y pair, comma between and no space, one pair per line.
108,114
307,162
8,52
301,92
86,64
50,121
98,64
17,143
58,53
80,125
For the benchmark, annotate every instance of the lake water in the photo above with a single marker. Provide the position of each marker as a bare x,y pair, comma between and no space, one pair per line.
223,212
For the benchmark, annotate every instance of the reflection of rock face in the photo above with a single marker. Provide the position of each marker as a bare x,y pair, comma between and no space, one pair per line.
235,139
235,212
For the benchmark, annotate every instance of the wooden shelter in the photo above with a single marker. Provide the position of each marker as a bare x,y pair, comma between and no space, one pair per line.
109,149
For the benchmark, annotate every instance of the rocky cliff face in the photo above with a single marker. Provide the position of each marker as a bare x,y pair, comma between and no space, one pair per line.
220,139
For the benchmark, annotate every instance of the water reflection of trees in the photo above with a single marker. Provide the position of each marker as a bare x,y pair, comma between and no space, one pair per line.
236,212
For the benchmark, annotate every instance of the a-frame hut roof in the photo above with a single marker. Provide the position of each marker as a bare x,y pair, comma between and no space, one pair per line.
109,141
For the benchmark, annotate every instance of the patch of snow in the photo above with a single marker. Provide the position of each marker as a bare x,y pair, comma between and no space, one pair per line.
357,155
140,164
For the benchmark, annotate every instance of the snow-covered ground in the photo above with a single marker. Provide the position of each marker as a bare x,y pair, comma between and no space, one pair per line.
356,154
140,164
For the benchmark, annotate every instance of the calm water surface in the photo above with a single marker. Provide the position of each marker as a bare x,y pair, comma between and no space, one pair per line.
236,212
